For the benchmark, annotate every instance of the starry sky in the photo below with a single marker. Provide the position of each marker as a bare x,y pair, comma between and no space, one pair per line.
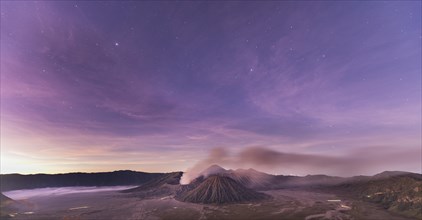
155,86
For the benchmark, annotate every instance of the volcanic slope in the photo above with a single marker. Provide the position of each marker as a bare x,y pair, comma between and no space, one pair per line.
166,185
249,178
220,190
166,179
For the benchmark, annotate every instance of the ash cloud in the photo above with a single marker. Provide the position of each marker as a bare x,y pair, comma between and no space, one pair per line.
257,156
267,157
351,164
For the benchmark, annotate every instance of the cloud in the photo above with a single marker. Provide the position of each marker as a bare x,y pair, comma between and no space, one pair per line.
292,126
255,74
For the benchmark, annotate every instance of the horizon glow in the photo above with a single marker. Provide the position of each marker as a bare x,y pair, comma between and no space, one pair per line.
154,86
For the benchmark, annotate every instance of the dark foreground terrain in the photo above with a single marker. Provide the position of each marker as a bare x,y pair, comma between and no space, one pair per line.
285,204
388,195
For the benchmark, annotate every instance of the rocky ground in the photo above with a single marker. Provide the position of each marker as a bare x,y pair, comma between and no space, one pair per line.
112,204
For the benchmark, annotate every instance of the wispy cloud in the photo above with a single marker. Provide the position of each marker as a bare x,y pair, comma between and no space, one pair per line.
305,78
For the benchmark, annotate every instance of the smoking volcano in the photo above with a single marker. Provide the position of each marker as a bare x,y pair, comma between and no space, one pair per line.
219,188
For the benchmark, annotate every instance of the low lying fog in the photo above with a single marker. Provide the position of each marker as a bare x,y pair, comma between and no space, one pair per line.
57,191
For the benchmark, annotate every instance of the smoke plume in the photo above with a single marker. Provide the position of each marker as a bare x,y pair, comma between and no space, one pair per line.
354,163
216,156
255,156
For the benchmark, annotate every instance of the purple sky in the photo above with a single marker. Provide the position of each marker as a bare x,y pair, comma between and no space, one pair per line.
154,86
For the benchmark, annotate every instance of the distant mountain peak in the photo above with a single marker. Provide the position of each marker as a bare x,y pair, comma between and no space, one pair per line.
392,172
387,174
250,170
213,169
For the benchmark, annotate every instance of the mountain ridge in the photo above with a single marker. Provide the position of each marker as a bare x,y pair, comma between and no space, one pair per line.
115,178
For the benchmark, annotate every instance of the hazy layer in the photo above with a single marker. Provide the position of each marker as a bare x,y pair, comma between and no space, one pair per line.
58,191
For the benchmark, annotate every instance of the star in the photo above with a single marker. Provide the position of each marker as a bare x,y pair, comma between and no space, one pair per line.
116,44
